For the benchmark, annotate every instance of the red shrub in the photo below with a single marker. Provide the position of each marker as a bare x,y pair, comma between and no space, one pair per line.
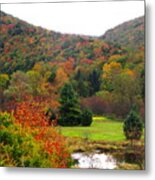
32,114
55,146
96,104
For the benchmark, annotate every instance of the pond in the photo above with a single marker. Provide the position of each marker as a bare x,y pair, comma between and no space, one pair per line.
94,160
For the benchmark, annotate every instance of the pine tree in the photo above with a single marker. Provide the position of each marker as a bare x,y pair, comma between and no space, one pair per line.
70,113
133,125
94,79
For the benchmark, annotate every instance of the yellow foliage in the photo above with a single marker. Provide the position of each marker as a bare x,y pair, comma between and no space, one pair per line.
129,72
38,66
115,57
111,69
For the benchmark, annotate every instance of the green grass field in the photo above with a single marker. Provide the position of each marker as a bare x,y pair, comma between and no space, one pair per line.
102,128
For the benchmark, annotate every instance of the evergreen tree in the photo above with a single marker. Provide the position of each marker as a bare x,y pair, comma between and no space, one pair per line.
78,75
133,125
80,85
52,76
94,79
70,113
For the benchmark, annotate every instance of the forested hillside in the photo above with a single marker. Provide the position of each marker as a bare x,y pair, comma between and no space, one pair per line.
129,34
93,67
22,45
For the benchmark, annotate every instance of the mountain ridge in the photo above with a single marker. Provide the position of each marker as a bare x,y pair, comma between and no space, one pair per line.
129,33
28,44
23,44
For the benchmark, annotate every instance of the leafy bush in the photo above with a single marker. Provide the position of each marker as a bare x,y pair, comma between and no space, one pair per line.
5,119
23,145
86,117
18,147
31,113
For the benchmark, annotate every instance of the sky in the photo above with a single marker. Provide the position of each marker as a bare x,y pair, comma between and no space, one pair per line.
86,18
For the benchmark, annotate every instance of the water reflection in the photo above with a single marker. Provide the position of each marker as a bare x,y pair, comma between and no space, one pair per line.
94,160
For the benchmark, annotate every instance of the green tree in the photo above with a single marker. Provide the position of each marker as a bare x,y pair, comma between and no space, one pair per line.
81,87
94,79
70,113
80,84
4,82
19,86
52,75
126,87
133,126
34,80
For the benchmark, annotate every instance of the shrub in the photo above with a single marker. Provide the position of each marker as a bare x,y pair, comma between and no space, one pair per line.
133,125
86,117
5,119
29,142
31,113
18,147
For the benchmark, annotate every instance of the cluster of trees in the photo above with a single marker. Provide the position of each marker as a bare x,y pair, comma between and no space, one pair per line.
87,81
22,45
114,86
106,79
42,80
71,113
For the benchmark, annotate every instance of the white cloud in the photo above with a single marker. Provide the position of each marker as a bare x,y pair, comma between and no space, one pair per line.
80,18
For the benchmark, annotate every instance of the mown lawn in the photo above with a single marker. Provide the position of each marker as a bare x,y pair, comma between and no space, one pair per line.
102,128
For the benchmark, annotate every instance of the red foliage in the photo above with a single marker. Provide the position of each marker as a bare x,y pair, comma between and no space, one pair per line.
10,26
32,114
68,66
54,144
30,30
86,61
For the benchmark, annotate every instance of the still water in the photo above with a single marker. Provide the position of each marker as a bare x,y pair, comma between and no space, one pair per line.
94,160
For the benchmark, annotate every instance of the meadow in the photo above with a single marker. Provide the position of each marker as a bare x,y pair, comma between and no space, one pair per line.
102,128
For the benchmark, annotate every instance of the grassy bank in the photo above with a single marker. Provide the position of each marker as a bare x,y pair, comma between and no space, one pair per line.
102,128
106,135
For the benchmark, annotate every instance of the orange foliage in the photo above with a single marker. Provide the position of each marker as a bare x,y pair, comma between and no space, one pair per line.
98,51
60,79
31,40
68,66
31,114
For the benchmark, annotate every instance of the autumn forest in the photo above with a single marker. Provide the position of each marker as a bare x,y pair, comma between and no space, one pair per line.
64,94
